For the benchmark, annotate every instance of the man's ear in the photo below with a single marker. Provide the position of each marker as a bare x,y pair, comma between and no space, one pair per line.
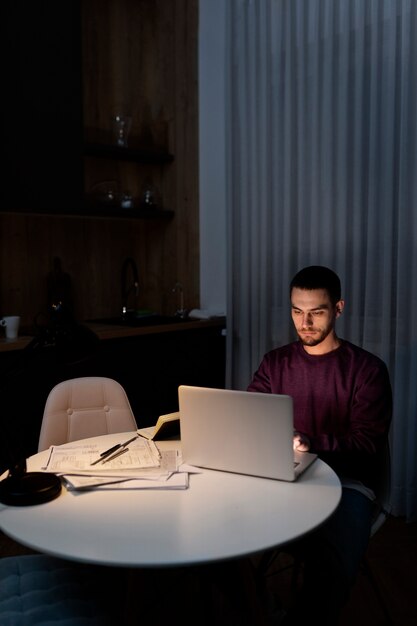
339,307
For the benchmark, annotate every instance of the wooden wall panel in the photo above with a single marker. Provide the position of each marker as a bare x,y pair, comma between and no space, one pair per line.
145,52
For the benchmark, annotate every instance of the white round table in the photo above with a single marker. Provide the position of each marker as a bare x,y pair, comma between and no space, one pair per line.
220,516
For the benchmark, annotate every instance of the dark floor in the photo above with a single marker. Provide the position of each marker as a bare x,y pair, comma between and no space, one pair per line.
392,556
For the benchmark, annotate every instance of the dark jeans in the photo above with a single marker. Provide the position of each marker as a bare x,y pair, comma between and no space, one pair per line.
332,555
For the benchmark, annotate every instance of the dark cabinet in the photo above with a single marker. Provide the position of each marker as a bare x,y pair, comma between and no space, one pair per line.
42,100
150,367
50,159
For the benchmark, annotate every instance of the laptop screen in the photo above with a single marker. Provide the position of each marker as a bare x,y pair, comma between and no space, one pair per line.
237,431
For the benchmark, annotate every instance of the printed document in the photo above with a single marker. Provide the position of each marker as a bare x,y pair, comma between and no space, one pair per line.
141,453
141,466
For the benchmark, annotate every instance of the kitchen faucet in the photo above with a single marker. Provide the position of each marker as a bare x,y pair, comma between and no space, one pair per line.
180,312
133,287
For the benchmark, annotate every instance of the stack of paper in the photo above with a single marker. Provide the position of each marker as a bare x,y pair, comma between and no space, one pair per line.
140,466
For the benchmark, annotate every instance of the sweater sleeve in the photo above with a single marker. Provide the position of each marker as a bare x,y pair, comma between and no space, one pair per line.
369,416
342,403
261,380
357,452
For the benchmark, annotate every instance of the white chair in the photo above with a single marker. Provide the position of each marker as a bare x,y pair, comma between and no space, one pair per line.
85,407
382,512
40,589
383,491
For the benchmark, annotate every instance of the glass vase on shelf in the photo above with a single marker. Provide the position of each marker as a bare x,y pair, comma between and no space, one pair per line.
126,200
105,193
121,127
150,197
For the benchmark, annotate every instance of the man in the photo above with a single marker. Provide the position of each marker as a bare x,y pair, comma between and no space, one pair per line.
342,411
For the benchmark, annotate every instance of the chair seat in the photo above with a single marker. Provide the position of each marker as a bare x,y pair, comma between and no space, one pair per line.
37,589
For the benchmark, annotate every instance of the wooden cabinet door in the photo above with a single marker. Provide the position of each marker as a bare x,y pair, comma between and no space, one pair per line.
42,99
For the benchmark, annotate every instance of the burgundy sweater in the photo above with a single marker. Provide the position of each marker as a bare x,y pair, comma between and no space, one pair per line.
342,402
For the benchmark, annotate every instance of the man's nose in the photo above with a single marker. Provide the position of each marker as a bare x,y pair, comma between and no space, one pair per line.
307,320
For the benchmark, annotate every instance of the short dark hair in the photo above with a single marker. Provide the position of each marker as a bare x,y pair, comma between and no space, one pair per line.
318,277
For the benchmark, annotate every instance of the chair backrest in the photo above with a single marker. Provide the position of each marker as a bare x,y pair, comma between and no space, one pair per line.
383,490
85,407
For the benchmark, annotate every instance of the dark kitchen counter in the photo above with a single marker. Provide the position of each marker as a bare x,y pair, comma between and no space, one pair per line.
114,331
150,362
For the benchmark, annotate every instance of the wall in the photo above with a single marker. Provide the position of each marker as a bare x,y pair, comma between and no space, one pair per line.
212,133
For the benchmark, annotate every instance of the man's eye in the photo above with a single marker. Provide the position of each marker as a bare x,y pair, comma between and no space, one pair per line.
318,312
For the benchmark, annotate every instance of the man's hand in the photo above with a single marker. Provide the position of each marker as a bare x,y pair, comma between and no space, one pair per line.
301,442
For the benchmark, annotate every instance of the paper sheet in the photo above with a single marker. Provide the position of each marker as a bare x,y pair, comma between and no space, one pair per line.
174,480
143,466
139,454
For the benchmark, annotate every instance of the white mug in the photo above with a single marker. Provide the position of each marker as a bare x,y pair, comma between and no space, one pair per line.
11,324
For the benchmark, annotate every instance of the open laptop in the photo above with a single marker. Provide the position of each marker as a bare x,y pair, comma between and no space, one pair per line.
240,431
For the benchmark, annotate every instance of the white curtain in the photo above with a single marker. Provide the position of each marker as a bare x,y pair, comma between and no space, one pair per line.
321,113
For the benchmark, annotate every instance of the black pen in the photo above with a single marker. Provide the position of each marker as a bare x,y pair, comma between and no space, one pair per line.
110,451
114,456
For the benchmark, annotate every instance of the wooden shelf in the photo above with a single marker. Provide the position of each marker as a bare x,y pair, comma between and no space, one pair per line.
135,213
101,148
99,211
132,154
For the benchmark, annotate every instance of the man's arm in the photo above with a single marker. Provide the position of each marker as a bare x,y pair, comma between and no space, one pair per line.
368,417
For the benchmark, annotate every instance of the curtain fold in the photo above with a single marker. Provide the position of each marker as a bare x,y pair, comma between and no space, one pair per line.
322,161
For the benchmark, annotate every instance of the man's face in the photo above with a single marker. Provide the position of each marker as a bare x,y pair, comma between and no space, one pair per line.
314,315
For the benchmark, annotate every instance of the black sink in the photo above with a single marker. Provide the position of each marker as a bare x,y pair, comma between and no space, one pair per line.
153,319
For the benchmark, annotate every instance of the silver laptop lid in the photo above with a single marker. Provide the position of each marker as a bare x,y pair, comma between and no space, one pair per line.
237,431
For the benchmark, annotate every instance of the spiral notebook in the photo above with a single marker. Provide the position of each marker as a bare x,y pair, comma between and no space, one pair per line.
240,431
